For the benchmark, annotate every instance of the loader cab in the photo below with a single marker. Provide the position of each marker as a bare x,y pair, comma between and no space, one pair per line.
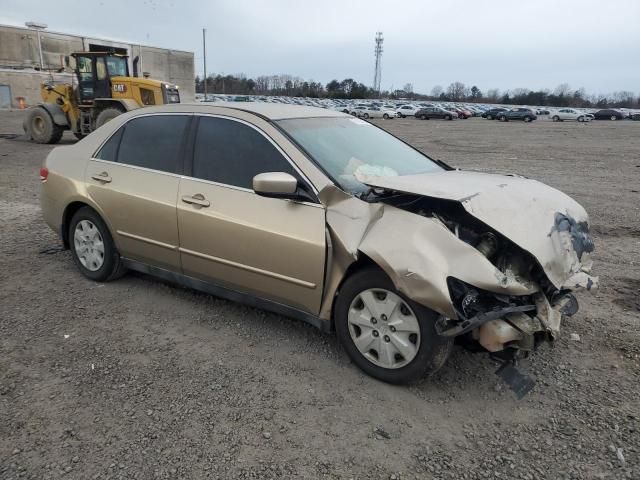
94,71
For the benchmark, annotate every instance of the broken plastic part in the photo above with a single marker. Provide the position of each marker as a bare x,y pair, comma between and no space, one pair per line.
517,381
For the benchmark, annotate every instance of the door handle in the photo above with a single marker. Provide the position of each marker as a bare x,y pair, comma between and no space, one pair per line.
102,177
197,199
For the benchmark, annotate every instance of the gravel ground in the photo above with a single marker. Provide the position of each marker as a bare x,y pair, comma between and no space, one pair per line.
142,379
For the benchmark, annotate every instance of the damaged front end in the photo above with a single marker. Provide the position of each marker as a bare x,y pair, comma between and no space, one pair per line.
498,257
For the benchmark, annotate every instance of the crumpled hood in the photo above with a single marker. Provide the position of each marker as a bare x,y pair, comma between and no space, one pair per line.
540,219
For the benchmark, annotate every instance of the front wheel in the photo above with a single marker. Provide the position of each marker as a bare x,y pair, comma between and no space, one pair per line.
503,118
489,117
385,116
556,118
613,118
387,335
366,115
423,117
40,127
581,119
527,119
448,117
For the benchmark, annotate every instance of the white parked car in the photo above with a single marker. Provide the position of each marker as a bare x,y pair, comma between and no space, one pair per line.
367,111
407,110
389,111
570,114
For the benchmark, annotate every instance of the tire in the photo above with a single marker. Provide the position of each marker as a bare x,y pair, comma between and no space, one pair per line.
40,128
527,119
385,116
448,117
555,118
580,119
365,115
107,115
613,118
489,117
424,117
502,118
108,264
401,115
427,349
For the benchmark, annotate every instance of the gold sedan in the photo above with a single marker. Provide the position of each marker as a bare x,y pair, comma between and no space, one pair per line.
320,216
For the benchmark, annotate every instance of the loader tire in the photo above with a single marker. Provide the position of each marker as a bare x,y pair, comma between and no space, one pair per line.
107,115
40,128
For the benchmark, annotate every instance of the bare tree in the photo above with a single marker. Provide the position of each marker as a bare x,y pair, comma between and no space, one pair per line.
436,91
562,90
493,94
456,91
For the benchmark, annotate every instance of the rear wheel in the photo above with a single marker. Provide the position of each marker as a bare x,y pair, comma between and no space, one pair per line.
503,118
92,247
107,115
387,335
385,116
423,117
365,115
613,117
489,117
448,117
581,119
40,127
527,119
555,118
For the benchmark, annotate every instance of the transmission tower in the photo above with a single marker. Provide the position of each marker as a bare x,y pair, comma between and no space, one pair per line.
377,77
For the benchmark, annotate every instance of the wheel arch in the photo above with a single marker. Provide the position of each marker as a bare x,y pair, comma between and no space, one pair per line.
71,209
123,104
363,261
56,113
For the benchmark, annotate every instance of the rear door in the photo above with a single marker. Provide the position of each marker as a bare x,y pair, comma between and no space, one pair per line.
268,247
134,180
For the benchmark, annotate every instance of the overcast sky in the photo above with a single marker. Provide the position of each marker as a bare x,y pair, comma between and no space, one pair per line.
502,44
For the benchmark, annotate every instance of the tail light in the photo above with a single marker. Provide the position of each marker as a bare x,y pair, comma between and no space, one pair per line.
44,173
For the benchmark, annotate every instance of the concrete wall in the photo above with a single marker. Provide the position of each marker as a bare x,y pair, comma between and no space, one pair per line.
20,60
27,84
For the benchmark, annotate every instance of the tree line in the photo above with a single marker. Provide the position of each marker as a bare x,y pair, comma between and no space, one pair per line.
288,85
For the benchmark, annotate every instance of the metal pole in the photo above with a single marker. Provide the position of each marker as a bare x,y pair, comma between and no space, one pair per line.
204,49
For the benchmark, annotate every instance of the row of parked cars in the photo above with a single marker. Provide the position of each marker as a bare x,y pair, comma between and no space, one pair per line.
389,109
558,115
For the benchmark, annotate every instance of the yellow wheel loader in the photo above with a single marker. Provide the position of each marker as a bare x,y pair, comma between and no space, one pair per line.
103,91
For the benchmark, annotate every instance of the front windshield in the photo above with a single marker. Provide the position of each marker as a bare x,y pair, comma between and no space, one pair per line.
348,147
117,66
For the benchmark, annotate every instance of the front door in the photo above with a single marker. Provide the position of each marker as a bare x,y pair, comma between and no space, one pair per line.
134,180
268,247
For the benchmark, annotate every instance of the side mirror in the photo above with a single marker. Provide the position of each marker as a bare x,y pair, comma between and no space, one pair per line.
275,184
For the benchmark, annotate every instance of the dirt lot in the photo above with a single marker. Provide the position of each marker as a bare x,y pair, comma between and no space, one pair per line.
141,379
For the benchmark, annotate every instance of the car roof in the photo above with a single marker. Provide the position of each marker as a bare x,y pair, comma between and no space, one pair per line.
270,111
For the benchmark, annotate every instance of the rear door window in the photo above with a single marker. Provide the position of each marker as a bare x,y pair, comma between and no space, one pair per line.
109,150
153,142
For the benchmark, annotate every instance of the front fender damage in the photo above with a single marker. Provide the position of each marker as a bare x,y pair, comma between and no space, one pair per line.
422,256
